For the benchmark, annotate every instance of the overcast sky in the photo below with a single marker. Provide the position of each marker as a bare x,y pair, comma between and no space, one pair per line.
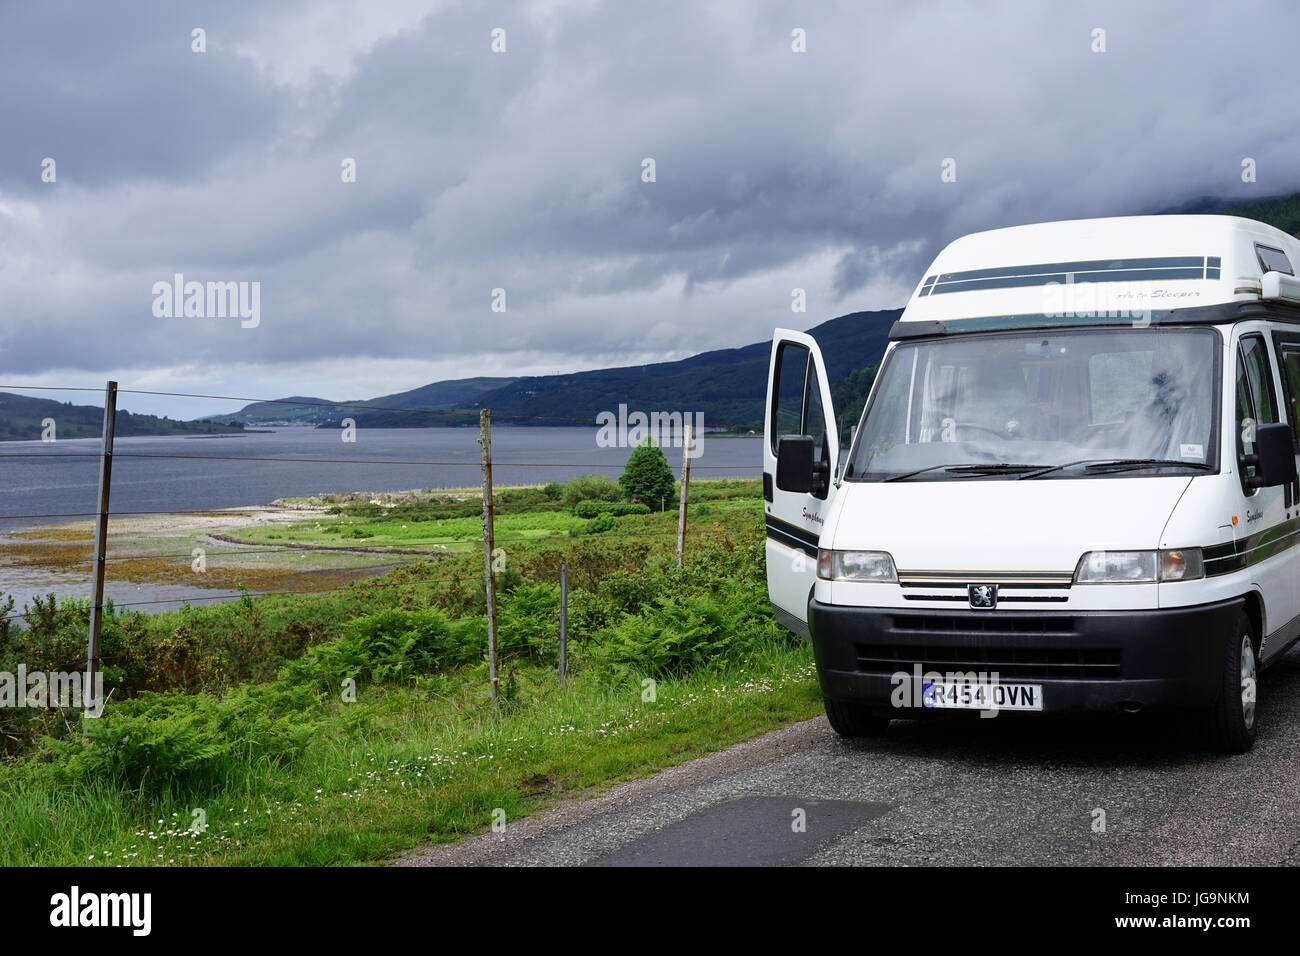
523,170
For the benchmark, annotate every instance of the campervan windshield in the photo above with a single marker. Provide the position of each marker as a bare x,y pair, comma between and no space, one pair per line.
1068,404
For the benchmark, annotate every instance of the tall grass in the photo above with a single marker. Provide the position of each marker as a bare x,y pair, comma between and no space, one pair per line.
389,774
340,728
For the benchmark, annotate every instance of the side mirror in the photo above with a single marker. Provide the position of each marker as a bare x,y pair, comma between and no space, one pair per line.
794,463
1274,457
797,468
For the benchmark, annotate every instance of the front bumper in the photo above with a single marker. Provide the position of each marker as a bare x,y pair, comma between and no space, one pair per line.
1099,661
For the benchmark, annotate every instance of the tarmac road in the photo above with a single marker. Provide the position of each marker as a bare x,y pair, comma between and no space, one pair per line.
1013,790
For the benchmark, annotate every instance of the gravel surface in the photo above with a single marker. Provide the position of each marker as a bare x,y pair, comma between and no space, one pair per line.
1014,790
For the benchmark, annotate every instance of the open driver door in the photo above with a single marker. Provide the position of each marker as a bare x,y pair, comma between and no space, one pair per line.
800,454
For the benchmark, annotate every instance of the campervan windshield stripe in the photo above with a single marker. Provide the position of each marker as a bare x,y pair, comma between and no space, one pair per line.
1013,282
1082,265
1085,270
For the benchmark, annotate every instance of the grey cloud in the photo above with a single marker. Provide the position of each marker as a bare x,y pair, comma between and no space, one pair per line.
522,171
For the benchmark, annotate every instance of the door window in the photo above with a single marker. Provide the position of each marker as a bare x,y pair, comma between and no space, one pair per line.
788,396
815,419
1256,399
797,409
1291,369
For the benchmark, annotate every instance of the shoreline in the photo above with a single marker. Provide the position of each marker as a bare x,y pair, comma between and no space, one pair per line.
161,557
154,556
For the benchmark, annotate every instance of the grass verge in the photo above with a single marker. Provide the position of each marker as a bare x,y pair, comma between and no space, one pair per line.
391,771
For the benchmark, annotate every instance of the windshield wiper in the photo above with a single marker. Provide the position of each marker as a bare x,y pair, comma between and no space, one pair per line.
1119,464
974,470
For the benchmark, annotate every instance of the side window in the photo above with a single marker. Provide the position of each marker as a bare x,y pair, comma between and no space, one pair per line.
1255,354
1256,400
1291,372
1245,416
1272,259
787,403
815,421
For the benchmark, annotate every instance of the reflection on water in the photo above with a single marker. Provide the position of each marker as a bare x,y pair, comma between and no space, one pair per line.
23,583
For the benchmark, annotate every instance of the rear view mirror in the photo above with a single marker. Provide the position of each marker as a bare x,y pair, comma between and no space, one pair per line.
1274,457
794,463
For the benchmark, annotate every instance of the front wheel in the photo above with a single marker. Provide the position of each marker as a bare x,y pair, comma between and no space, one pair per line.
1232,718
854,720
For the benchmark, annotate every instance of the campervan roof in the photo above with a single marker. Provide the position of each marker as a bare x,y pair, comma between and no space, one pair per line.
1087,270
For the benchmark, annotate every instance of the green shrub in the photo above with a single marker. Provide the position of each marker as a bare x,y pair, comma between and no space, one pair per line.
514,499
608,597
596,525
528,619
590,488
646,477
387,645
673,635
591,509
188,742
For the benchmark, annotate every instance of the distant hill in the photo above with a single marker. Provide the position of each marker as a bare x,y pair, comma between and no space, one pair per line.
458,393
316,411
1283,212
21,417
726,386
262,412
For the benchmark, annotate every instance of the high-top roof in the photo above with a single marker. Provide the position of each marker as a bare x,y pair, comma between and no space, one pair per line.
1118,265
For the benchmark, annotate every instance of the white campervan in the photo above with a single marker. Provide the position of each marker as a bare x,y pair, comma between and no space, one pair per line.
1073,487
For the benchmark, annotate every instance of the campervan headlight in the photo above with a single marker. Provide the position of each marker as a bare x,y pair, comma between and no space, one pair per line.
1139,567
856,566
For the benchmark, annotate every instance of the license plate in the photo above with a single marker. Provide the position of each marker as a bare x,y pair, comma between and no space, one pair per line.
976,695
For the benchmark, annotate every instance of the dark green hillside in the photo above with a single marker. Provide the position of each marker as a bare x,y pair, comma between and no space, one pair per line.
317,411
312,411
1282,212
21,417
728,385
440,395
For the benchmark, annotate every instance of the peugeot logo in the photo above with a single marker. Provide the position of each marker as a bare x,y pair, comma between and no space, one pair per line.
983,595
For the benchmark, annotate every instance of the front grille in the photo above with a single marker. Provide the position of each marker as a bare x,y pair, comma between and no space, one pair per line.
1001,624
1002,598
1009,592
1042,663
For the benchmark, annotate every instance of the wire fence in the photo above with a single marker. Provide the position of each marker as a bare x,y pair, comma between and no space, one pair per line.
474,695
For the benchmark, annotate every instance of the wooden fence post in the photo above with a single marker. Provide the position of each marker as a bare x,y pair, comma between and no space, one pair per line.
686,481
489,578
88,696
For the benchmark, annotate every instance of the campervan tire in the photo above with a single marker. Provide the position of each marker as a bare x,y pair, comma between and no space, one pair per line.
1232,719
849,719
